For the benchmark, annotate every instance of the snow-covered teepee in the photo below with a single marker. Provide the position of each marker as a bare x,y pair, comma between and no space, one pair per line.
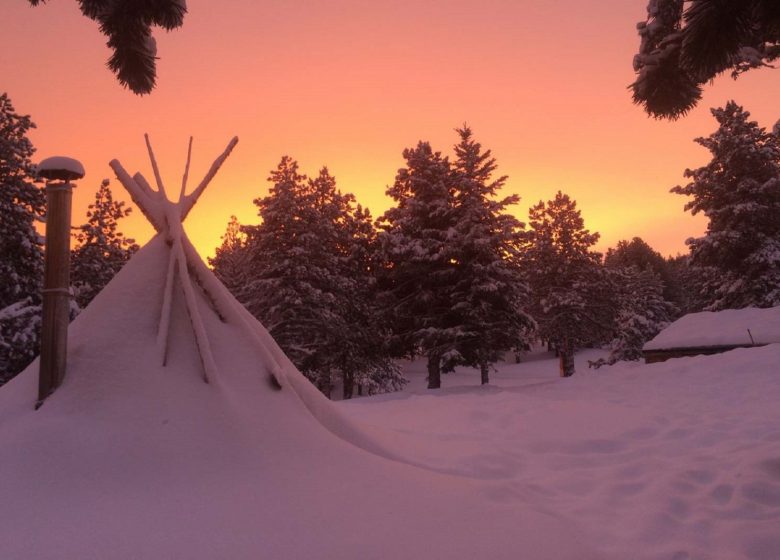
134,456
186,272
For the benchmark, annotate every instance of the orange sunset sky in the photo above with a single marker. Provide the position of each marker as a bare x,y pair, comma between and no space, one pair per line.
350,84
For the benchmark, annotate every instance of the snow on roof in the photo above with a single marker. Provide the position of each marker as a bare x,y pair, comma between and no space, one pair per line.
720,328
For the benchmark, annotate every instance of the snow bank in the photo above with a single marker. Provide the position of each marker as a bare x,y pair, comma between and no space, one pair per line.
721,328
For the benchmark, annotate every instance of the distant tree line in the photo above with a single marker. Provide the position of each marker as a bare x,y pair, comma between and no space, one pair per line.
448,274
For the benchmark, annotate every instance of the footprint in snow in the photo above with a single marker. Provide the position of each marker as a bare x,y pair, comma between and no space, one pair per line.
700,476
771,467
722,494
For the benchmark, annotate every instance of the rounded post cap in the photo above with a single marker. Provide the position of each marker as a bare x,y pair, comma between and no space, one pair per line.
60,168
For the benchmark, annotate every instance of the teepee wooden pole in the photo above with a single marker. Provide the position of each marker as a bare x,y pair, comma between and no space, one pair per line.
167,217
189,201
155,168
191,304
141,193
164,326
186,173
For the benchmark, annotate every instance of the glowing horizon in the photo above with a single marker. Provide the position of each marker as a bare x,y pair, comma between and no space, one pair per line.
350,85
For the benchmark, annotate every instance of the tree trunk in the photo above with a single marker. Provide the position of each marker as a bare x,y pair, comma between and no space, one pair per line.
434,371
360,389
324,384
349,384
567,359
484,369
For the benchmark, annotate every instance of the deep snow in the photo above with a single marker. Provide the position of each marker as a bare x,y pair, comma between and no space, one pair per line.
128,459
676,461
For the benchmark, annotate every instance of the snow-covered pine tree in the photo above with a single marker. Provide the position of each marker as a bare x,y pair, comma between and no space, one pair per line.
230,259
489,295
22,204
634,253
641,310
570,297
364,354
102,250
285,289
638,253
739,192
687,43
308,271
685,284
420,271
358,352
128,26
20,327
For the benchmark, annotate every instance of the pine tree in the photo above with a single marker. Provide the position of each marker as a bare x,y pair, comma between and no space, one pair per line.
685,284
101,249
489,294
285,289
639,254
128,26
20,326
230,259
571,300
22,204
420,269
363,355
641,311
687,43
739,192
309,281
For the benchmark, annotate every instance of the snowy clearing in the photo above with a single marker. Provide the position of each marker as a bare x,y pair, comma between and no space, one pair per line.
676,461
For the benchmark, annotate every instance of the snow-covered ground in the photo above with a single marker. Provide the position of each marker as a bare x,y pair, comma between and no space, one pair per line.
130,459
676,461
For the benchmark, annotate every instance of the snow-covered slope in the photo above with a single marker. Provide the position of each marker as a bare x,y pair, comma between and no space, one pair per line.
720,328
129,459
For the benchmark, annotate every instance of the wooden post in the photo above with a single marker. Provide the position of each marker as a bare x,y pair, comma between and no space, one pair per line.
56,289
